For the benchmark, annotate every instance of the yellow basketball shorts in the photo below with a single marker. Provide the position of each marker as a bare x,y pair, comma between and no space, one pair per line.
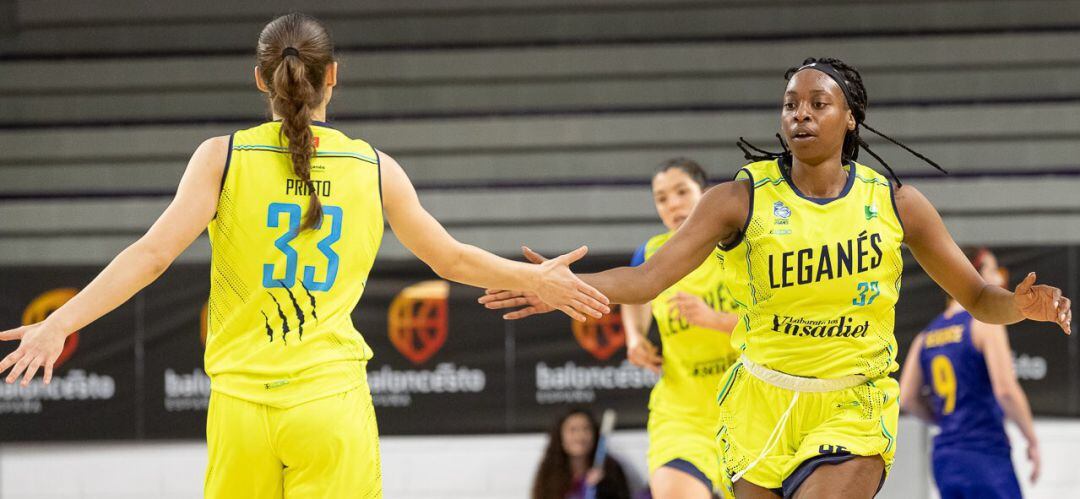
326,448
859,421
684,437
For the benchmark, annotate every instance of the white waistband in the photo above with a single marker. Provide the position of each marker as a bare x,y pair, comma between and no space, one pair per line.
799,383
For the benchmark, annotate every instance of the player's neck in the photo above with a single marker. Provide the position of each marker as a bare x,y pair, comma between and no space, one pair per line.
821,178
316,115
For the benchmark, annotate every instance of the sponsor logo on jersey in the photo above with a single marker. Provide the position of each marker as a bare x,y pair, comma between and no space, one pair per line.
600,337
418,320
841,327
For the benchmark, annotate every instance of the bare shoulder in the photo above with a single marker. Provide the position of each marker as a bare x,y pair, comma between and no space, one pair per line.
908,196
729,201
210,157
983,334
218,145
387,162
919,217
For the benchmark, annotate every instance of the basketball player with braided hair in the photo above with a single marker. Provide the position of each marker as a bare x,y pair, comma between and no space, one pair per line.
809,410
295,211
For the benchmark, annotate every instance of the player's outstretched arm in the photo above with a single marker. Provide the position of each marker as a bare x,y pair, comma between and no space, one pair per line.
937,253
133,269
719,216
552,282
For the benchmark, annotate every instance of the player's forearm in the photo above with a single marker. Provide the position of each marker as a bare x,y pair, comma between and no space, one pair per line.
1015,405
995,305
476,267
132,270
626,285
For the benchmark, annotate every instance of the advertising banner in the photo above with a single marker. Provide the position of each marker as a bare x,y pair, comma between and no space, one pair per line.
94,387
443,364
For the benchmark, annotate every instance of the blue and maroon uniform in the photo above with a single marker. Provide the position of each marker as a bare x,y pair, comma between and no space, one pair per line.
971,455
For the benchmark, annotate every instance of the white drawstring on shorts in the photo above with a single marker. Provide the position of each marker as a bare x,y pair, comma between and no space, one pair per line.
774,438
795,384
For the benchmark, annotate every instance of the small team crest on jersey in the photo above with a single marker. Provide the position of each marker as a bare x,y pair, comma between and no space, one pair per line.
780,210
871,211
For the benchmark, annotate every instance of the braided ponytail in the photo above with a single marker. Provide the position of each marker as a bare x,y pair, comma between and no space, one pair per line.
294,51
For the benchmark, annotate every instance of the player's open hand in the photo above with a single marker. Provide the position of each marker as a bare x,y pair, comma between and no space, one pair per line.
642,353
39,348
528,303
558,288
692,308
1040,302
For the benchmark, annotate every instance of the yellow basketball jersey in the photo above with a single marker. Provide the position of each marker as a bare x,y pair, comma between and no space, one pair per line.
279,326
820,278
694,357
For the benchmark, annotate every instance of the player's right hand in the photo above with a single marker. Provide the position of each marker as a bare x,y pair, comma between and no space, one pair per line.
39,348
642,353
561,289
587,300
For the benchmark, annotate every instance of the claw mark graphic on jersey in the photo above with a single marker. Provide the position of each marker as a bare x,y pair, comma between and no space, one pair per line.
284,320
299,313
312,298
269,331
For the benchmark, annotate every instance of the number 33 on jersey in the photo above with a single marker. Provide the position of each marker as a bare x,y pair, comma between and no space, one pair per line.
274,286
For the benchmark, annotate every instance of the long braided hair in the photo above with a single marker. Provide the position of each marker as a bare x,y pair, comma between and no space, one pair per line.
293,53
851,84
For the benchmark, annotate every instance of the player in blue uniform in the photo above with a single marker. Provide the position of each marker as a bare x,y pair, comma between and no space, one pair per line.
959,375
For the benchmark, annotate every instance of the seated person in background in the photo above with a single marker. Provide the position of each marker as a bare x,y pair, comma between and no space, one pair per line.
566,469
966,367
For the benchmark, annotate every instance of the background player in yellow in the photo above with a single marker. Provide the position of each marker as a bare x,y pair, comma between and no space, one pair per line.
695,320
694,324
809,410
295,211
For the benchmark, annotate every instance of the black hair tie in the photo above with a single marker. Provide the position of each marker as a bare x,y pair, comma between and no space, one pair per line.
290,51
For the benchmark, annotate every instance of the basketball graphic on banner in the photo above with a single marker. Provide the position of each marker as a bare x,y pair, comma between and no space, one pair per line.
418,319
202,323
601,337
45,304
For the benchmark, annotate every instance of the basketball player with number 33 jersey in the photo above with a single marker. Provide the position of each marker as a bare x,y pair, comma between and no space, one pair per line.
295,210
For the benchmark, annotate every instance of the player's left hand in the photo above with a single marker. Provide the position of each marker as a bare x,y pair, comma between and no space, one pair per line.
1043,303
39,348
691,307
